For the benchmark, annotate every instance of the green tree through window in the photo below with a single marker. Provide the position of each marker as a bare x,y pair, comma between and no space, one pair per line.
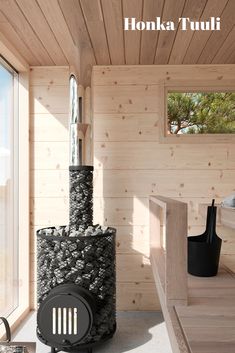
201,113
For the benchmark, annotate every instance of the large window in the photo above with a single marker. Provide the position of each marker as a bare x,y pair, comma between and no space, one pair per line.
200,113
9,222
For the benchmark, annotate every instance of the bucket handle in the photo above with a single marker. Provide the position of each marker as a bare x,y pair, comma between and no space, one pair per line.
7,328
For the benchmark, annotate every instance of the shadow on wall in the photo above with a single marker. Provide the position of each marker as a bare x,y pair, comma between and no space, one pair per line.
130,216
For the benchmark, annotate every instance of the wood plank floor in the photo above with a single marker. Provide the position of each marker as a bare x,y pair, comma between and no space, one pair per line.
208,322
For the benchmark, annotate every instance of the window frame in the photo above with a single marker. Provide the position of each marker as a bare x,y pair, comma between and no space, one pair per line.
21,122
200,86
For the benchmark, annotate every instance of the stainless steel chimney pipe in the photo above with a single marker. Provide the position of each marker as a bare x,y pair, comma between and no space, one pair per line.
76,153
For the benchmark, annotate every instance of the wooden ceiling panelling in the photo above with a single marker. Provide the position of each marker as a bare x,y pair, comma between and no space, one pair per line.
173,10
112,12
151,10
83,33
132,8
217,38
93,15
200,39
193,10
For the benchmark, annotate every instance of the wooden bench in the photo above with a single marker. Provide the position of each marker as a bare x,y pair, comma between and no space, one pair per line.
199,312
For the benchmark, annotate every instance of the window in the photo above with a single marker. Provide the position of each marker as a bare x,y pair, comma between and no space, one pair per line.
200,113
9,220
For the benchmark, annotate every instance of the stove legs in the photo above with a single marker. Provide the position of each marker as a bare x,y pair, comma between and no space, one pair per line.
54,350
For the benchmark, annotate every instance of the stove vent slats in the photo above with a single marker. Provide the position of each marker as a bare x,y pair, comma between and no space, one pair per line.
64,321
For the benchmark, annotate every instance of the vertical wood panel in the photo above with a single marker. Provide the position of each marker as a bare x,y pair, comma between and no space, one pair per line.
76,23
193,10
213,8
172,11
132,8
112,10
218,37
93,15
149,39
226,50
9,32
26,32
55,18
38,22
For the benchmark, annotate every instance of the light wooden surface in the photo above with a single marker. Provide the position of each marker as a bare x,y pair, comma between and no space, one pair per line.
207,323
209,320
130,161
84,33
228,217
168,248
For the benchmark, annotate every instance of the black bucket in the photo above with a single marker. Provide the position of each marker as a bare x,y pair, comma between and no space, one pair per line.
204,249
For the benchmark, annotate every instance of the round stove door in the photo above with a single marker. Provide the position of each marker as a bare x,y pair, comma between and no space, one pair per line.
65,317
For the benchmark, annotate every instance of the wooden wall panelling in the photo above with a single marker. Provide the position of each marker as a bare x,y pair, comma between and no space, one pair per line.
134,211
149,39
184,183
132,8
217,38
137,296
46,155
126,127
129,167
213,8
172,11
92,12
39,24
121,211
49,75
192,10
49,211
113,154
112,11
137,99
26,32
44,99
133,268
160,74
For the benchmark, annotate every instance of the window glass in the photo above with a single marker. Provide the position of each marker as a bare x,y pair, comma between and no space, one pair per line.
8,189
201,113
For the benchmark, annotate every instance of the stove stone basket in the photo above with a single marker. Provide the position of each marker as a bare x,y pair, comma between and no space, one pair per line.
76,287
